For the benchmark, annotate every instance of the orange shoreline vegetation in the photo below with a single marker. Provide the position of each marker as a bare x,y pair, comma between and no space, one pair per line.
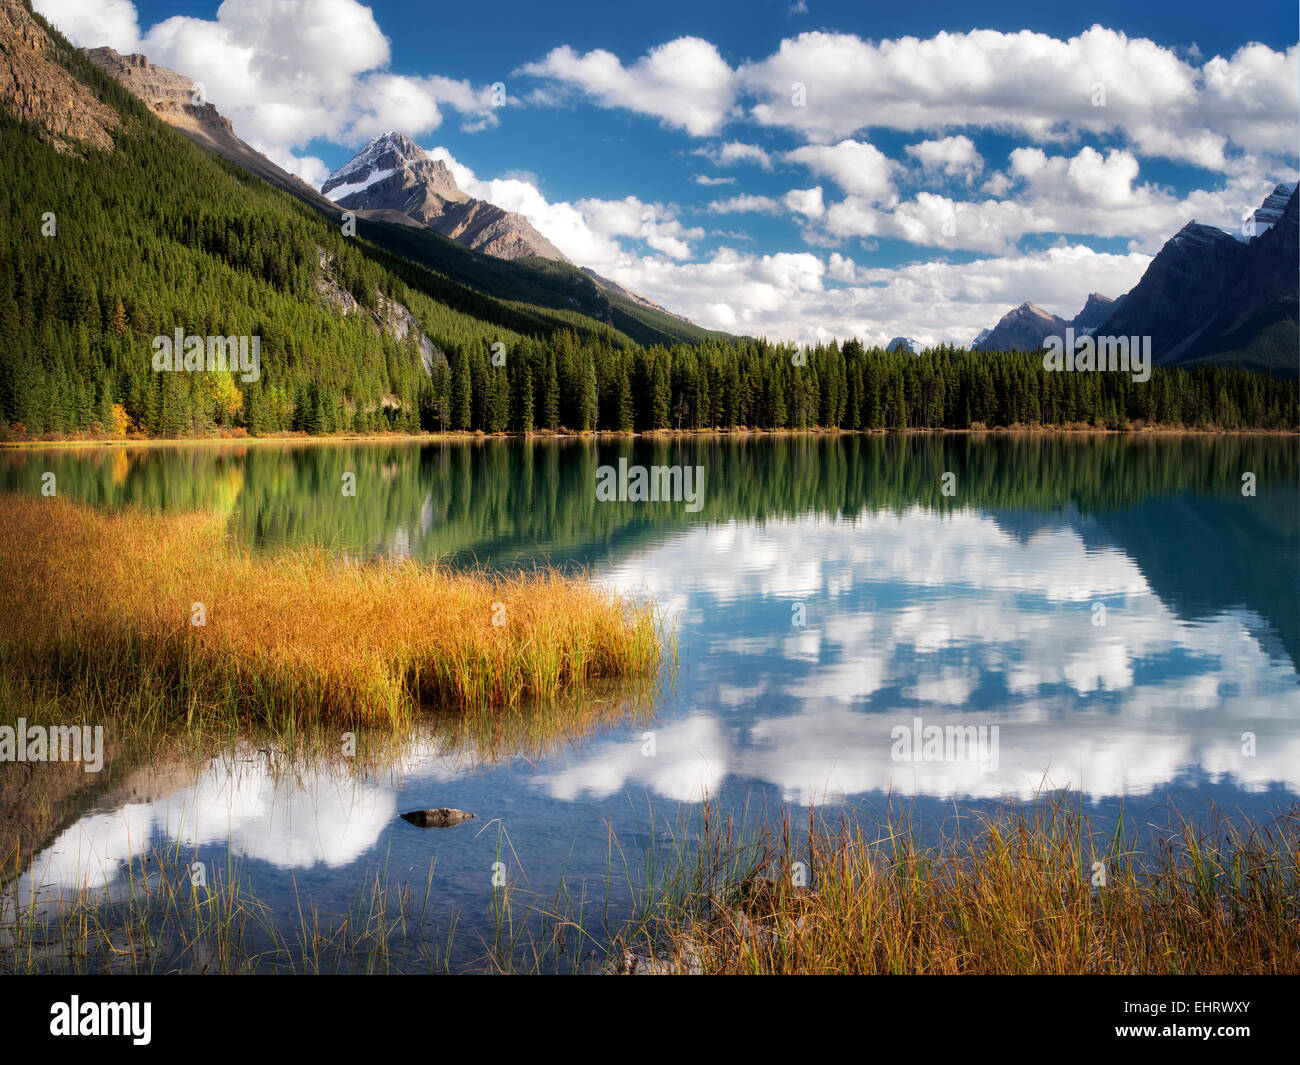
98,612
1078,429
1031,891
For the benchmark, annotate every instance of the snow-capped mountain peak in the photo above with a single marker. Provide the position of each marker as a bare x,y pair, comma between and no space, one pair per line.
380,159
394,179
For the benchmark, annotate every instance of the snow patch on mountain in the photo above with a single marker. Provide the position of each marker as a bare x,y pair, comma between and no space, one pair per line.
1269,213
339,192
367,159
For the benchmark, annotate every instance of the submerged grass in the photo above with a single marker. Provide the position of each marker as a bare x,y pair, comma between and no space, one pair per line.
152,918
98,612
1025,892
1018,893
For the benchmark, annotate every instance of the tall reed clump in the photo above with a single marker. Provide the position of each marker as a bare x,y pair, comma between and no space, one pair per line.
1023,893
101,609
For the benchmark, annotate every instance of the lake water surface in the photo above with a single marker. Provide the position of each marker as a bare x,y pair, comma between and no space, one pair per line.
1115,614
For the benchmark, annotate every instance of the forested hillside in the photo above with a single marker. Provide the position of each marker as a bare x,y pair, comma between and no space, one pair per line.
104,249
543,282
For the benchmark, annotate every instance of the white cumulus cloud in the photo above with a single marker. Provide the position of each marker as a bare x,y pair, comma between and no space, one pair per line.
685,82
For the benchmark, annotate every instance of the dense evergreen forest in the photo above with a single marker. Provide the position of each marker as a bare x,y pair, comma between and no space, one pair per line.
760,385
102,252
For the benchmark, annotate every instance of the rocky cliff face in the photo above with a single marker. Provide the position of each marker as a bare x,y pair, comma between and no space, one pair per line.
171,96
1270,212
393,177
389,317
1096,310
36,88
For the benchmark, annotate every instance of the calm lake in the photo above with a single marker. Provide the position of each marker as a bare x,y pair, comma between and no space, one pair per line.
1113,615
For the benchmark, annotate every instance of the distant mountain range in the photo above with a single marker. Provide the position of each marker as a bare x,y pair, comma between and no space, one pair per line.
1207,297
1024,328
410,204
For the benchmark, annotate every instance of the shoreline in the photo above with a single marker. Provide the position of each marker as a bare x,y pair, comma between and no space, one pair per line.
471,436
1017,893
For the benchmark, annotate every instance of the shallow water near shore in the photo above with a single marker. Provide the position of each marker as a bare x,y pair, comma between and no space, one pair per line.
1111,615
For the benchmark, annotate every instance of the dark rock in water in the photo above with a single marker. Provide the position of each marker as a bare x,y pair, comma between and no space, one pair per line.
440,818
631,963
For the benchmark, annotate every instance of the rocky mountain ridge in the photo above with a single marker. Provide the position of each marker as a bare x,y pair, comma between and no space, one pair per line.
394,174
178,101
475,225
1210,297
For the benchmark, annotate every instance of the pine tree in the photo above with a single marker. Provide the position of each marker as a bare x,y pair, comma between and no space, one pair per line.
526,401
551,400
460,392
626,414
661,393
588,410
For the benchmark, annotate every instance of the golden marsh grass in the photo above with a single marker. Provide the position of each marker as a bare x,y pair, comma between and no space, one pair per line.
1022,892
98,611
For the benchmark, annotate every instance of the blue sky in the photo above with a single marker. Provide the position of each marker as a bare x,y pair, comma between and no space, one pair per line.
944,163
